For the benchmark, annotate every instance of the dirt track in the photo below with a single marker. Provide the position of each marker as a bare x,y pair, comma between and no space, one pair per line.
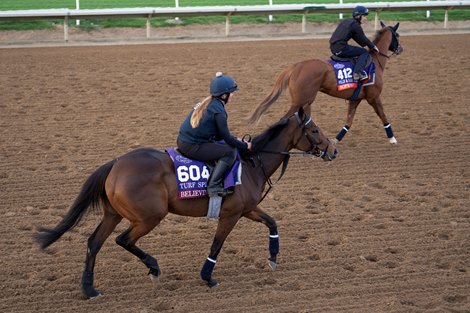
381,229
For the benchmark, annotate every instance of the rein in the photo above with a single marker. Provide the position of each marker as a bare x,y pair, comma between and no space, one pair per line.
268,179
384,55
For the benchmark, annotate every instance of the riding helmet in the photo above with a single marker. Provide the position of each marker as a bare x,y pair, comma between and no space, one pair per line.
222,84
359,11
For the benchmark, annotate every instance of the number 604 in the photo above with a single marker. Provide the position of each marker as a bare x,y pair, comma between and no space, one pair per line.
192,172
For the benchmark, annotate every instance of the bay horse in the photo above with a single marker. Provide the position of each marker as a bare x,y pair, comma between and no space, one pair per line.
140,186
305,79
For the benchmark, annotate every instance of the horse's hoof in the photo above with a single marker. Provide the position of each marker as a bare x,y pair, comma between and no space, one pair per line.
334,141
154,278
155,272
93,295
99,295
212,283
393,141
272,265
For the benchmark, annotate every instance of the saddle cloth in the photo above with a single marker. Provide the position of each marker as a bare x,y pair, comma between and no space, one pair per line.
192,175
344,74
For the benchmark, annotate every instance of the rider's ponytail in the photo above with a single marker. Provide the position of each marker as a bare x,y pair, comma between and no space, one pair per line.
199,110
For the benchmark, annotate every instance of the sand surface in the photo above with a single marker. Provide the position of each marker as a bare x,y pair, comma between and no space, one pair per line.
381,229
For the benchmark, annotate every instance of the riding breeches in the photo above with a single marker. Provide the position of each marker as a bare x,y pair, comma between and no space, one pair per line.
210,151
354,51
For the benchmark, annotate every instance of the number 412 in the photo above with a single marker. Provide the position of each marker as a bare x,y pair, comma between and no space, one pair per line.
345,73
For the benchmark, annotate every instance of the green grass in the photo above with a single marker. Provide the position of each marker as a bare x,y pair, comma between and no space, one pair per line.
104,4
437,15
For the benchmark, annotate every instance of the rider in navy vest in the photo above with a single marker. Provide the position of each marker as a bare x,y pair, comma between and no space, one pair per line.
204,126
351,28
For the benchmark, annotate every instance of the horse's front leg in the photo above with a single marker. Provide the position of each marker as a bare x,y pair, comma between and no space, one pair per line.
379,110
225,226
259,215
349,120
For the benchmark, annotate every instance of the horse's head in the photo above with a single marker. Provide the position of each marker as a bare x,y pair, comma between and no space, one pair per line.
311,138
393,41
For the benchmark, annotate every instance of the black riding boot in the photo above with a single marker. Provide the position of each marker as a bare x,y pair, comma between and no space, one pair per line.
215,185
359,73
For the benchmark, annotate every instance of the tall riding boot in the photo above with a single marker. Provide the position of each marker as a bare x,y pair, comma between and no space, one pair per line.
215,185
359,73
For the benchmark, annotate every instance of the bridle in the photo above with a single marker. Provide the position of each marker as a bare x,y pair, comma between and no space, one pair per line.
313,151
395,47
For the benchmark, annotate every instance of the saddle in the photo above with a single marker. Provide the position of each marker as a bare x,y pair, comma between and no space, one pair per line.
192,175
353,60
344,68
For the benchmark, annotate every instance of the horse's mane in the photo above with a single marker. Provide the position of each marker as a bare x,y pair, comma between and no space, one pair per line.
379,34
260,141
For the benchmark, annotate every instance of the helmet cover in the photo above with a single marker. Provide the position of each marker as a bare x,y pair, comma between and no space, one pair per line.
222,84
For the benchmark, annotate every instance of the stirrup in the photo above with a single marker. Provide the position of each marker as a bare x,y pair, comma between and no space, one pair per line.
360,76
219,192
225,193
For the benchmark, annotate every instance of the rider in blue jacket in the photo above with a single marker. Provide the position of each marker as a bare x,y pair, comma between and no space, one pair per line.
204,126
351,28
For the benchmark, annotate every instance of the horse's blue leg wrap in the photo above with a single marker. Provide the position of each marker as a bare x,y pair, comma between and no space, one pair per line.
152,265
273,244
342,132
87,285
206,272
388,130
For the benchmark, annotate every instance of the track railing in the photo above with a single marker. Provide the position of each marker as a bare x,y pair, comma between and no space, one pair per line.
229,11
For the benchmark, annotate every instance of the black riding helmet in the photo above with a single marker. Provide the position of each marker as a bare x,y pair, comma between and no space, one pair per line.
359,11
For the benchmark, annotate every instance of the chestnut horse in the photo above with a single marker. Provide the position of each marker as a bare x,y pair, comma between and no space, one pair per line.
306,78
140,186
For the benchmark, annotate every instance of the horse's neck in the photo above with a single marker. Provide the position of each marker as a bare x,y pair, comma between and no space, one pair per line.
272,161
380,62
383,44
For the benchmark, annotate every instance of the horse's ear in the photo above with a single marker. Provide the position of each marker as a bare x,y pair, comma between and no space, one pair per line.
382,24
396,27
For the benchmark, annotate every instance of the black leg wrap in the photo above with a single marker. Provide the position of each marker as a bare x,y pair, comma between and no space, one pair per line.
388,130
152,264
274,244
206,272
87,285
342,132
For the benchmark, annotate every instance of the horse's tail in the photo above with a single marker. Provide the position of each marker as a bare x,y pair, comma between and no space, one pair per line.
280,85
92,193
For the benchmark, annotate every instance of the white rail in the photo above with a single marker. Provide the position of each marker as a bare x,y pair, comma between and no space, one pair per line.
228,11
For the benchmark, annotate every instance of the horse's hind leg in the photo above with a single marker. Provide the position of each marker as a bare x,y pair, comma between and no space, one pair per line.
95,242
128,239
259,215
379,110
349,119
224,228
